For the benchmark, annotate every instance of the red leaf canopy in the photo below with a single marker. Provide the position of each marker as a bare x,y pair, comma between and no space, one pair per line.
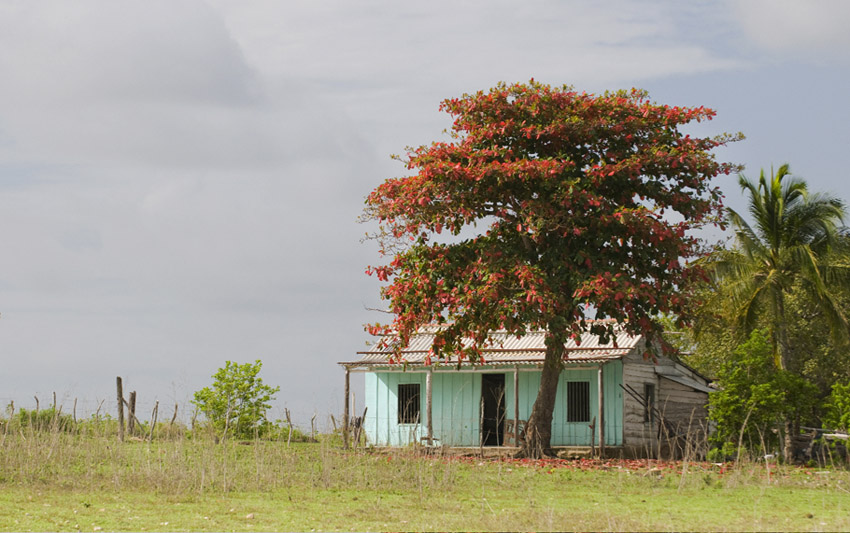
571,190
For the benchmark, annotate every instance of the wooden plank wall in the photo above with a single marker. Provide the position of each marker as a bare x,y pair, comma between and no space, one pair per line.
683,408
637,433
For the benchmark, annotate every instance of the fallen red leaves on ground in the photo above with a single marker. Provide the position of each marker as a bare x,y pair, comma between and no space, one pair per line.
578,464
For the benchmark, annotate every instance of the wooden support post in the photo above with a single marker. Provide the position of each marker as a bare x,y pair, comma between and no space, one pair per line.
481,427
288,421
429,378
516,405
75,410
601,417
153,420
55,415
120,395
131,416
593,437
345,413
173,418
358,427
131,409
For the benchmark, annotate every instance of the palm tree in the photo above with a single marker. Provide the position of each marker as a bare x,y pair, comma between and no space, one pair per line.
791,246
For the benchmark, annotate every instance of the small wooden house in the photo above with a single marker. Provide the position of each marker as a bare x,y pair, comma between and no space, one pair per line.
609,394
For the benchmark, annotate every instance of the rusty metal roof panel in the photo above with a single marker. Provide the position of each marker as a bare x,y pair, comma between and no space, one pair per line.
507,348
533,340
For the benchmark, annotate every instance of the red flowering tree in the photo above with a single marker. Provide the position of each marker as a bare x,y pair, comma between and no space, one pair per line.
555,201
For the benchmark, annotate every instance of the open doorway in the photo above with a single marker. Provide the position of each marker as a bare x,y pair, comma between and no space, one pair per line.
493,404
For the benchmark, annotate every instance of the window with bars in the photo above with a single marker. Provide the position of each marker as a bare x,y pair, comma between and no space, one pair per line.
408,403
578,401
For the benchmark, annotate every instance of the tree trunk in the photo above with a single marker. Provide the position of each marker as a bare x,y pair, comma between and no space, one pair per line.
784,356
783,345
538,431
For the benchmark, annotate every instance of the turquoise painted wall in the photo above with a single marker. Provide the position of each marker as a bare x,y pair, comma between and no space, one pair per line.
382,427
456,401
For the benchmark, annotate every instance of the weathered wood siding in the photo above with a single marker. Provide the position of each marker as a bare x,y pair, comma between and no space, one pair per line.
638,433
682,407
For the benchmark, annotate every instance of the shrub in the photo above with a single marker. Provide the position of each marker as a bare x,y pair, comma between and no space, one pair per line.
42,420
838,407
237,402
757,396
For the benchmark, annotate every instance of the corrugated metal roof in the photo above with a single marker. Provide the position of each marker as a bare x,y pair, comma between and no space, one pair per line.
671,374
506,348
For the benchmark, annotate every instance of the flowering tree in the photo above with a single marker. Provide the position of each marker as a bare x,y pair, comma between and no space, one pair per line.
571,190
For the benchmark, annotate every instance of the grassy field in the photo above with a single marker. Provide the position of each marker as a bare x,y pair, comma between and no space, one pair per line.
67,481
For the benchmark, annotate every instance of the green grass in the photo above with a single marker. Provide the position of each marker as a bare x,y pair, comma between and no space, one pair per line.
70,482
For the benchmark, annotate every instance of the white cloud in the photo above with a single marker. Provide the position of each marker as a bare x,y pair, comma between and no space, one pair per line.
363,46
814,29
159,84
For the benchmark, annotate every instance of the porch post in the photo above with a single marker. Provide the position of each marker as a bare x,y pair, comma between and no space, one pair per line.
345,414
428,388
516,405
601,417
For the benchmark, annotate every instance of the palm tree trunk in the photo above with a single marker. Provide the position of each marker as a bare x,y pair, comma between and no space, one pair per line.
781,331
784,352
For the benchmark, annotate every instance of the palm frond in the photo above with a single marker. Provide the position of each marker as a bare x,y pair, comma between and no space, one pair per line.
794,238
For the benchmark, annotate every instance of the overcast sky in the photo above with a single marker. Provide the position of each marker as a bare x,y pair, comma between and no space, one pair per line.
180,179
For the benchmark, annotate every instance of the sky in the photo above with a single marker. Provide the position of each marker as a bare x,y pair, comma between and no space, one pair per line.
180,180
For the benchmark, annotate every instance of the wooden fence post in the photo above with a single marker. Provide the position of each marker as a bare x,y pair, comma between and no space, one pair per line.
120,395
358,427
153,421
131,408
288,421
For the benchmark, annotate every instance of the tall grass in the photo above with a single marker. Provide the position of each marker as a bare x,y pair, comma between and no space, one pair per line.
51,451
309,485
50,448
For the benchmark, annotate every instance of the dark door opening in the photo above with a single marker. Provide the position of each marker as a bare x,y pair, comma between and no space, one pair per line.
493,404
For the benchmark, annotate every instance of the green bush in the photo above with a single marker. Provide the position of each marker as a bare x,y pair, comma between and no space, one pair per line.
757,397
42,420
236,403
838,408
